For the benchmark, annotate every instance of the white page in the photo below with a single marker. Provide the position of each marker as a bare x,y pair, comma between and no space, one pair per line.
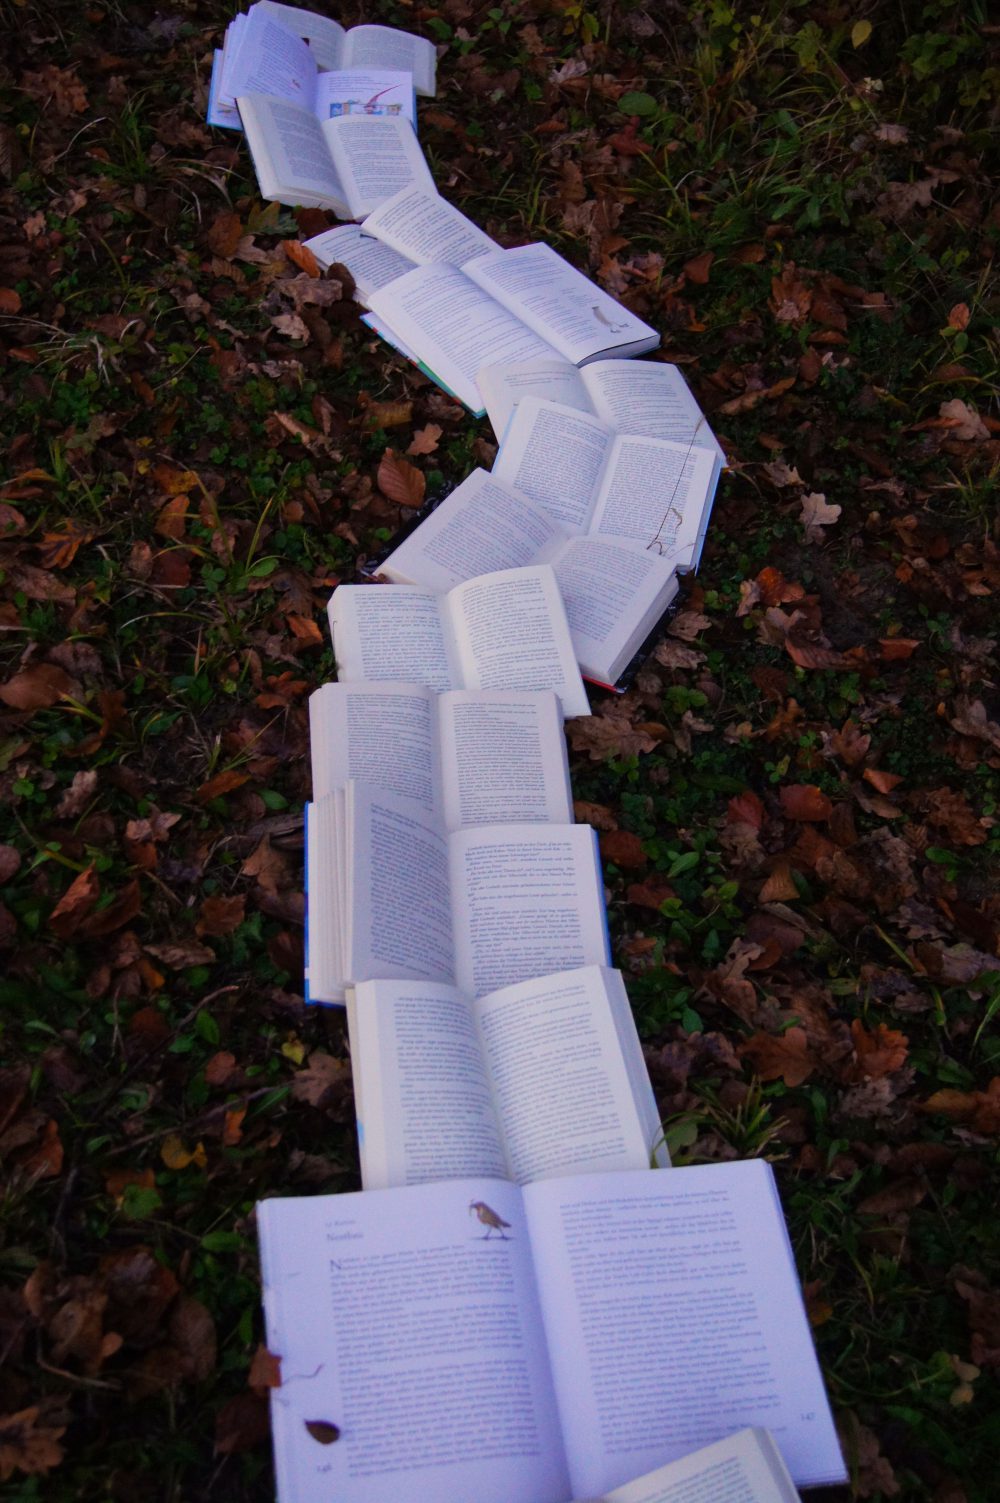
614,590
386,47
428,229
563,1092
649,400
503,758
371,264
324,36
555,456
230,52
376,156
289,153
324,974
557,380
482,527
528,901
395,634
576,317
428,1107
399,915
743,1468
674,1317
656,492
511,632
273,60
402,1323
359,91
384,734
454,327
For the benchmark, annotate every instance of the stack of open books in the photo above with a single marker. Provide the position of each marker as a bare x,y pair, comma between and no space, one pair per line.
514,1309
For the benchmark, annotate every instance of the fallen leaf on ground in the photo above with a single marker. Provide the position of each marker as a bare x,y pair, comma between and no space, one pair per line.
784,1057
401,481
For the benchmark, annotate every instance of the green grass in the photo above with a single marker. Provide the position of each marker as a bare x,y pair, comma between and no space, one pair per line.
774,139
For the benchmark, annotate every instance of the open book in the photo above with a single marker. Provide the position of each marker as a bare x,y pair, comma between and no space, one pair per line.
644,398
413,228
592,479
541,1079
614,589
349,164
382,47
478,1341
505,630
466,758
270,59
392,895
744,1468
503,307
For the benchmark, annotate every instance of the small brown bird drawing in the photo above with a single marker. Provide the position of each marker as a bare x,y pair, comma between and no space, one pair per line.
489,1218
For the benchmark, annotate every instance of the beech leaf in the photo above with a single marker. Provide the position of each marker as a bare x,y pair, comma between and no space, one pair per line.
400,481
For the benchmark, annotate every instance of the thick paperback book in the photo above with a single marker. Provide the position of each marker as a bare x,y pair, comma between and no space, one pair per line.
535,1080
393,895
504,630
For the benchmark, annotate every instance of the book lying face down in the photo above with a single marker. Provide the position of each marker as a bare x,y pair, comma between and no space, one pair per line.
477,1340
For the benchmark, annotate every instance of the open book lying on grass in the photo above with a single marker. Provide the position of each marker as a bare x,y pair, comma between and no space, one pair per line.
540,1079
644,398
466,758
503,307
744,1468
331,47
505,630
349,164
473,1340
614,589
413,228
392,895
592,479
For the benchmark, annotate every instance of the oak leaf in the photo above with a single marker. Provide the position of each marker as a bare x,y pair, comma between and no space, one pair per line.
425,440
879,1053
79,793
963,421
321,1076
28,1446
786,1057
817,513
267,865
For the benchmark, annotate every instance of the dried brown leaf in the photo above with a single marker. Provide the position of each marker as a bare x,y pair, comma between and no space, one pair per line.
36,688
401,481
